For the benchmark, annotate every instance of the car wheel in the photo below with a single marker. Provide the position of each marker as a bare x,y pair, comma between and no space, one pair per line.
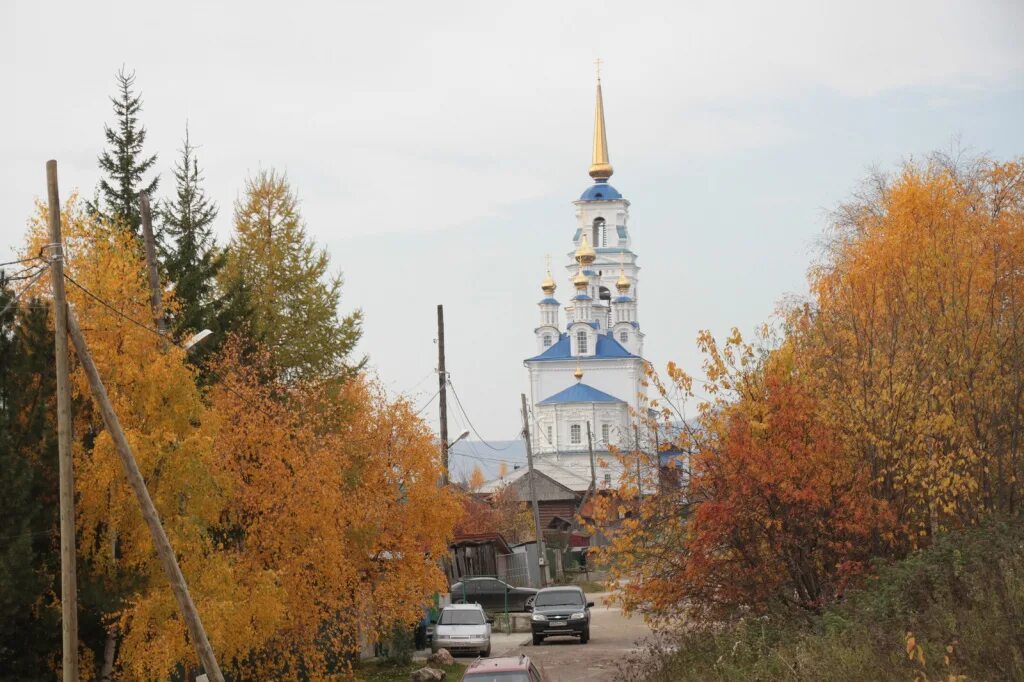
585,637
538,639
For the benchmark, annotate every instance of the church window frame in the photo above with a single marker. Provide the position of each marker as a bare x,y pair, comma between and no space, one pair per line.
550,434
545,340
624,336
599,232
581,342
605,433
575,434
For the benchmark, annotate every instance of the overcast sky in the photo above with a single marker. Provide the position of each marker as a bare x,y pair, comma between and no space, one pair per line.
437,147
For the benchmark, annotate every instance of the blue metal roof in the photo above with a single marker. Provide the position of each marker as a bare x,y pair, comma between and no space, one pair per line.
623,299
549,300
581,297
600,191
580,393
607,347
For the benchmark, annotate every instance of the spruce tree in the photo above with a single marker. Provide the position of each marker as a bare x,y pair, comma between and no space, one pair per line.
29,544
124,162
191,259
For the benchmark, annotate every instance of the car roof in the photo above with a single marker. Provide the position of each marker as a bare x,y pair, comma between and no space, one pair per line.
464,607
500,665
562,588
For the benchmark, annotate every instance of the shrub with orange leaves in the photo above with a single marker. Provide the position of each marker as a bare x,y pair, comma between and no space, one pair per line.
773,510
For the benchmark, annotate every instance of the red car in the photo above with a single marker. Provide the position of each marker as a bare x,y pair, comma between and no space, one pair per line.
508,669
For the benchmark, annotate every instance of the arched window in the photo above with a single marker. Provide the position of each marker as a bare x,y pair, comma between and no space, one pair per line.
546,340
575,434
624,336
605,432
581,342
599,234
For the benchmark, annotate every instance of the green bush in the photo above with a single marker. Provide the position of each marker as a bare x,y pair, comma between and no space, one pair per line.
962,601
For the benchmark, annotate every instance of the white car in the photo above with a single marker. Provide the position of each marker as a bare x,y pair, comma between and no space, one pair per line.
463,628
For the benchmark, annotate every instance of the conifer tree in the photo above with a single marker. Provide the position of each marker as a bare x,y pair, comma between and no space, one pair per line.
30,629
292,299
124,163
191,259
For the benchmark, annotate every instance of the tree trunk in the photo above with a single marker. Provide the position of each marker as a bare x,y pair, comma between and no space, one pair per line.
109,649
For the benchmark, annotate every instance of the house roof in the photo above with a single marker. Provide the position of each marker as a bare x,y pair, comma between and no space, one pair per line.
475,539
606,347
580,393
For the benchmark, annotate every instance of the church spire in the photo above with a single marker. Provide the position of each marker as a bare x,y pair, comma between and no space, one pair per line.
600,168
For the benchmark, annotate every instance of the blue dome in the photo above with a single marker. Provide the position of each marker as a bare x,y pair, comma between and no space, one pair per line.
600,191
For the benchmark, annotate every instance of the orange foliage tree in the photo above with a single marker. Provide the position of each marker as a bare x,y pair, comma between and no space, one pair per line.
306,516
889,409
335,495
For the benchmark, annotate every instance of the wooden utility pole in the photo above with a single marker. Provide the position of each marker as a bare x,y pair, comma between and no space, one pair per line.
68,570
541,558
155,297
593,467
639,477
149,513
442,394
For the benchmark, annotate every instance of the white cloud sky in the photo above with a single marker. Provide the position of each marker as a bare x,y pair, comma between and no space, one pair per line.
398,121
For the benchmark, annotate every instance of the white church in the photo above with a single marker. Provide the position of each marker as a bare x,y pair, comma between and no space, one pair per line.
588,368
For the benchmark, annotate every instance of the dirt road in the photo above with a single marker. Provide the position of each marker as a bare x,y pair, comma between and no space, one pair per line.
612,637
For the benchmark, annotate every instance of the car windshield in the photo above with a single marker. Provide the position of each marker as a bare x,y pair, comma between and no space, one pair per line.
461,617
496,677
559,598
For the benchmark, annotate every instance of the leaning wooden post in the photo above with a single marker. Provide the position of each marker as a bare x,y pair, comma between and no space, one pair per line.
68,570
149,513
149,241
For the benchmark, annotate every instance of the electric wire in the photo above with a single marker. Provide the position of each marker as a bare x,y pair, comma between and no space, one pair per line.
164,337
463,410
14,299
23,260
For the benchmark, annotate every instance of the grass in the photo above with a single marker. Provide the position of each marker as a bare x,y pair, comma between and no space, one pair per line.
962,598
399,672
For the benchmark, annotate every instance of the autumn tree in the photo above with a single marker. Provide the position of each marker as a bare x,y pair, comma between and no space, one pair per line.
887,408
915,329
476,478
335,499
124,163
293,300
153,391
774,510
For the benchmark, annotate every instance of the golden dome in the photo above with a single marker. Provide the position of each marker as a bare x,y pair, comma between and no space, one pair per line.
622,283
548,285
580,281
585,254
578,373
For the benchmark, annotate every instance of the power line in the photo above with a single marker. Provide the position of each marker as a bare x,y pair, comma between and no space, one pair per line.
426,404
23,260
14,299
468,421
